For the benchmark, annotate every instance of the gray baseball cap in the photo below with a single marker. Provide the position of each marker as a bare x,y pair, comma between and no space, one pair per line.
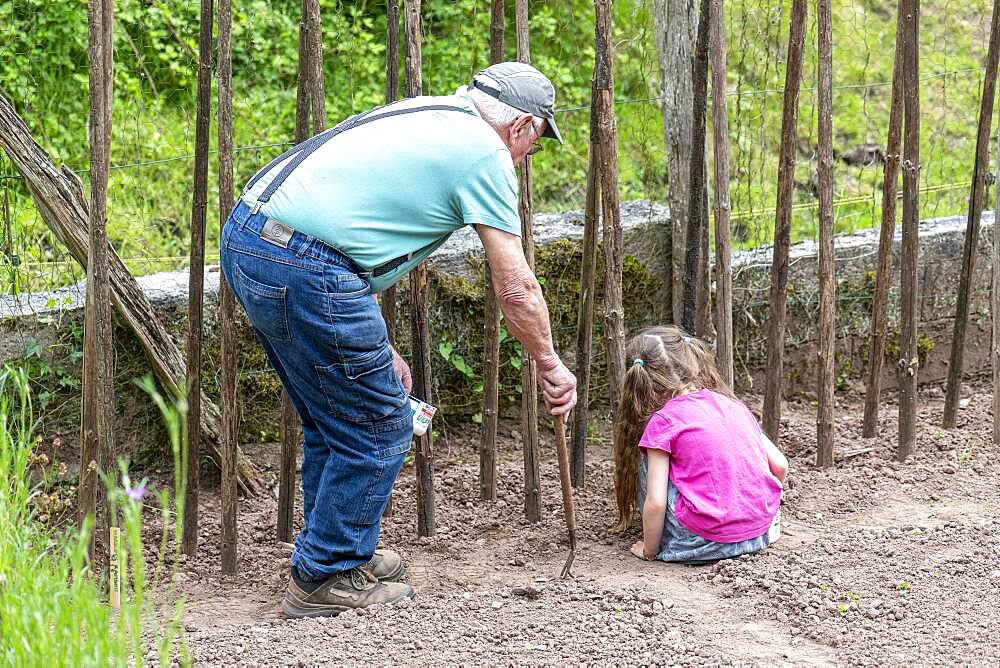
523,87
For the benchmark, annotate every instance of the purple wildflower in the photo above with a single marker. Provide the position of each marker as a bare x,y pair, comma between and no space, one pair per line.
135,493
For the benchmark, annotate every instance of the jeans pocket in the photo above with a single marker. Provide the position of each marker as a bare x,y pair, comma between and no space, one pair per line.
392,439
266,305
363,389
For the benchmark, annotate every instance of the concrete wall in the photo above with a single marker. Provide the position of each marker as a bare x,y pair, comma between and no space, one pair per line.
50,322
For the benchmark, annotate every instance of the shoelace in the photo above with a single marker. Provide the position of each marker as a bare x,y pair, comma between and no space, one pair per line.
362,578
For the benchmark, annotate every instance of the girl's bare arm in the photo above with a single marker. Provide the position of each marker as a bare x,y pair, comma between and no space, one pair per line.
776,461
655,508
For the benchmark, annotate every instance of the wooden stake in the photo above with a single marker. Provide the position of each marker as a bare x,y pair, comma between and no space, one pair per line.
227,301
976,196
827,286
783,223
703,294
676,25
908,361
995,311
697,179
614,312
723,249
196,278
585,317
97,421
491,366
529,369
883,265
317,89
387,300
420,335
286,474
114,570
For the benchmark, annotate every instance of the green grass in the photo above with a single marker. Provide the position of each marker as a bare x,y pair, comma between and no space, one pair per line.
55,612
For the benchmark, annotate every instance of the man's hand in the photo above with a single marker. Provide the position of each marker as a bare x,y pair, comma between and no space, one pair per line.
558,385
402,370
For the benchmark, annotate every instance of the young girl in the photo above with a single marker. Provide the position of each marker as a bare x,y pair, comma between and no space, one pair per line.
691,456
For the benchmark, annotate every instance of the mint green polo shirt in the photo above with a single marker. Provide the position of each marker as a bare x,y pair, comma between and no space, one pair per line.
399,185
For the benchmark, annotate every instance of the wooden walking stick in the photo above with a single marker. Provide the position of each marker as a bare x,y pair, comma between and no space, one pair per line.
567,493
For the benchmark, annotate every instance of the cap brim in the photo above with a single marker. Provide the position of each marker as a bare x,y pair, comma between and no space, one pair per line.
551,131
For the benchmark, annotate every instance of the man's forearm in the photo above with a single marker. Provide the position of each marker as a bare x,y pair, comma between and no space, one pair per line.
527,316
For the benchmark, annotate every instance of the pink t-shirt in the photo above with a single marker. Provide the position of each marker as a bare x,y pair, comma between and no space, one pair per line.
726,491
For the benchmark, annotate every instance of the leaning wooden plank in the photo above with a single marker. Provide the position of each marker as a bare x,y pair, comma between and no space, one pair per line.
59,197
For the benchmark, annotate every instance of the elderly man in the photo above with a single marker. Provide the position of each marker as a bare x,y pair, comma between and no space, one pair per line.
346,214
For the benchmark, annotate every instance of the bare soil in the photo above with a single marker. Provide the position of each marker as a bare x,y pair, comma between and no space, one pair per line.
881,563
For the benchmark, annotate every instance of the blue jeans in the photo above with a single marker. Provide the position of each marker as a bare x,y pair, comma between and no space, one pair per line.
326,339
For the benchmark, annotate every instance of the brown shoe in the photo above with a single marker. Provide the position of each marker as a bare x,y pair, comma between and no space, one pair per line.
356,588
387,566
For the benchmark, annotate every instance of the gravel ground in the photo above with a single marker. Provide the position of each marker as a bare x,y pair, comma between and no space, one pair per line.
880,563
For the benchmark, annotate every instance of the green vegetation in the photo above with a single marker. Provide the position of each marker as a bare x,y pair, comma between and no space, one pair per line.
43,69
54,607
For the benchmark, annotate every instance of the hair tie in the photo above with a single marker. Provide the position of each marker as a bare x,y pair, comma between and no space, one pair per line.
638,361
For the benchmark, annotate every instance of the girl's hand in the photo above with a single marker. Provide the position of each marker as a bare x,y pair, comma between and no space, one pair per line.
639,550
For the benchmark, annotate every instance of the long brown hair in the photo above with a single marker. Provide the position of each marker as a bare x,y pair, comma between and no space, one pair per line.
660,363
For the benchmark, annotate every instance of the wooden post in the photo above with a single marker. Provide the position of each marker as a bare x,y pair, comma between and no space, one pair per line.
827,285
387,300
703,293
908,285
723,250
585,317
883,264
697,179
491,366
676,25
954,385
317,89
227,301
995,311
196,280
419,322
97,420
614,320
289,420
783,223
529,369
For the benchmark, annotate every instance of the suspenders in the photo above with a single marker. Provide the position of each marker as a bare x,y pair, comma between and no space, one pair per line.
309,146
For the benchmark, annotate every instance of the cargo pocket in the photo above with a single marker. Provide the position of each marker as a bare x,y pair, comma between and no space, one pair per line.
392,438
266,306
364,388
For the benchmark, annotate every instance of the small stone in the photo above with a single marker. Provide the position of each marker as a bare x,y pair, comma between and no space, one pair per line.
496,605
528,592
949,469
